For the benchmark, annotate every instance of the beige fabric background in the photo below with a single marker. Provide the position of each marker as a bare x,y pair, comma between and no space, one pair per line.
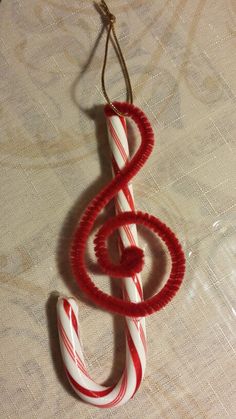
54,159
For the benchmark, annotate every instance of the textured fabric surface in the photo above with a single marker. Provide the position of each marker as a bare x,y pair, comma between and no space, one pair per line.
55,158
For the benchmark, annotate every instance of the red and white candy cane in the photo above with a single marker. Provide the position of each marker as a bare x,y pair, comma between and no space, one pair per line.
128,269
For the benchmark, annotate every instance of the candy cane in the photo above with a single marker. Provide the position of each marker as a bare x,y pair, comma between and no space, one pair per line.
70,342
132,306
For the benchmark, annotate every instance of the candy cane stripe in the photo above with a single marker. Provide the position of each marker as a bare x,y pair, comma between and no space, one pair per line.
90,393
118,143
70,313
136,361
120,395
73,354
126,189
122,120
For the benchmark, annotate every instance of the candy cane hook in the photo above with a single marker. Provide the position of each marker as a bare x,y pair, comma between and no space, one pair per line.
135,328
133,305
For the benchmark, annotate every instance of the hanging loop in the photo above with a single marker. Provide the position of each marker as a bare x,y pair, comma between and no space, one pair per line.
111,29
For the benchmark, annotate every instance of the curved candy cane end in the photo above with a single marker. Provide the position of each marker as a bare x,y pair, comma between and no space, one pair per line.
66,303
67,308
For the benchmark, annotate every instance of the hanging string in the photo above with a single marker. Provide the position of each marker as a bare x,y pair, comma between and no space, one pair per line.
111,30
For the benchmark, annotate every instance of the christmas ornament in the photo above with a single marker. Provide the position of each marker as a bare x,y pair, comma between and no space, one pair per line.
132,306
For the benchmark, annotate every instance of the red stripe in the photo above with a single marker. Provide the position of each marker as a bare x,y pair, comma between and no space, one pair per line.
129,234
78,361
141,333
128,196
139,327
87,392
123,121
66,344
74,355
118,143
136,360
120,395
138,286
71,315
143,338
126,228
71,352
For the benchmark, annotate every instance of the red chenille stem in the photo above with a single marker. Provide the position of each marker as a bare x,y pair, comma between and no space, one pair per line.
132,258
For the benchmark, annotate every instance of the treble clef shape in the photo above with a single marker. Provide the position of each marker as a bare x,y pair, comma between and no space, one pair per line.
130,265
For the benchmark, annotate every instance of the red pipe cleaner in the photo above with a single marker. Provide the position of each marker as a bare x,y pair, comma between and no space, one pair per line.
132,258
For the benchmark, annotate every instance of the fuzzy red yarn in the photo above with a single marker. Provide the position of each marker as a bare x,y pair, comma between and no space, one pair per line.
132,258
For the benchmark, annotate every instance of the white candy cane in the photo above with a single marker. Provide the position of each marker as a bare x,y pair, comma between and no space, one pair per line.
67,308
